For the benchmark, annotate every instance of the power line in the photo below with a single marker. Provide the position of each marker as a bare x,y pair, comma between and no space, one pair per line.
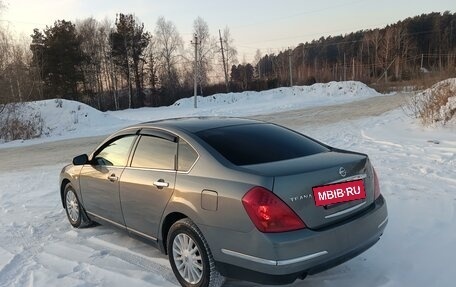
319,44
22,22
293,15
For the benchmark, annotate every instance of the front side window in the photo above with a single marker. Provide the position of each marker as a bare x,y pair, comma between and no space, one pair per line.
115,153
155,153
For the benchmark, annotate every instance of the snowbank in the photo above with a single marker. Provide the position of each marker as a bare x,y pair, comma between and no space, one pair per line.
256,103
294,97
62,119
437,104
447,113
64,116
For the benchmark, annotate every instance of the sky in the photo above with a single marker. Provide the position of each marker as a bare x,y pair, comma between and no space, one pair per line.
270,26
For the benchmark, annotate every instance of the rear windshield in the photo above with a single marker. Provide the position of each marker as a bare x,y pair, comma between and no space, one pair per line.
259,143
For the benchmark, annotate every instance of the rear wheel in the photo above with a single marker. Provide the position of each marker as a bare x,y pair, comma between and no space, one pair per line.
74,209
190,256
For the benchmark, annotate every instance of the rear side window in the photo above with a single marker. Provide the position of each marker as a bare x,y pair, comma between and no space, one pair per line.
155,153
259,143
187,156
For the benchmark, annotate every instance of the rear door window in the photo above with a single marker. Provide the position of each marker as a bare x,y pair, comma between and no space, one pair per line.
155,153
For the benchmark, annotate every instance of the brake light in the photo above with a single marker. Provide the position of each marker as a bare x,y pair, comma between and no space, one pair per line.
376,185
269,213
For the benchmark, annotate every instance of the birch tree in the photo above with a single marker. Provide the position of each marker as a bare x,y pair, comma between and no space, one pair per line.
206,48
230,50
169,44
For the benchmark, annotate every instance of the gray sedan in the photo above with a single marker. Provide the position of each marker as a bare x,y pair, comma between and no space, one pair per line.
229,197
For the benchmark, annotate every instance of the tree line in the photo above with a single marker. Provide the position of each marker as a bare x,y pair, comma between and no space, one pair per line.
117,65
112,65
403,51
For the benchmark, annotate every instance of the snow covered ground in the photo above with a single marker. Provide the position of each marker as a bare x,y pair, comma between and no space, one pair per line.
417,170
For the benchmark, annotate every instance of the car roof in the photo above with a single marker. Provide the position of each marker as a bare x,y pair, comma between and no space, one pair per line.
196,124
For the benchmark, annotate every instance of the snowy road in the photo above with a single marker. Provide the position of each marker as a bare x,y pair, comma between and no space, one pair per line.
38,247
61,152
337,113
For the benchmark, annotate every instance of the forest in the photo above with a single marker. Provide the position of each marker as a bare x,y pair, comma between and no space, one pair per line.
117,65
400,52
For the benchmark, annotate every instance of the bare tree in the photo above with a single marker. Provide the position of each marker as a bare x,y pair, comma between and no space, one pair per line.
169,44
206,48
402,49
152,71
7,91
230,49
385,52
92,41
257,63
109,71
375,40
19,72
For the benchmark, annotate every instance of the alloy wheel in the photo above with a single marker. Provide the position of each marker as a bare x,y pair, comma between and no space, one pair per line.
187,258
72,205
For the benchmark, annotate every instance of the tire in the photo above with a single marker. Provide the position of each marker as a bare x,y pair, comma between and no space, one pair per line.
74,210
187,247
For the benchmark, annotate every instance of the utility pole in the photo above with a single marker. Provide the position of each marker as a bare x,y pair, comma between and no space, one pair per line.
303,63
422,58
39,66
385,73
223,60
345,70
114,83
195,72
128,68
259,69
289,64
353,67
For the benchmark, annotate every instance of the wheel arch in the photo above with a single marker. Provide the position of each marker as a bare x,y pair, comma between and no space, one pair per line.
168,221
64,183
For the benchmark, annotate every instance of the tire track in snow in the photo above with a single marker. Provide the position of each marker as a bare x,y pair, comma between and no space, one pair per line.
31,239
12,273
17,271
142,262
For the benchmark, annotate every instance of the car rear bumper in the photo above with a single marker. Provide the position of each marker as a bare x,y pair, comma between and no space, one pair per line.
283,257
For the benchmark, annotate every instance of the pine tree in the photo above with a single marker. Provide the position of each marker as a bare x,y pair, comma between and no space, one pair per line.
128,44
58,52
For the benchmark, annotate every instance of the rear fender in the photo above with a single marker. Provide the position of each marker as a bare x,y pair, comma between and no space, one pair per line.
174,212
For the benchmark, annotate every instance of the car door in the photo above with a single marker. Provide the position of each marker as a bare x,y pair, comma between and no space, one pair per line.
148,183
99,180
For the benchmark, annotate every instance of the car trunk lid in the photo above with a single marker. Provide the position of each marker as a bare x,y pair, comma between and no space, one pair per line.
294,180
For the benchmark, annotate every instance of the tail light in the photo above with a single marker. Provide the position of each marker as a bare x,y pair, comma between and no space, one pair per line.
269,213
376,185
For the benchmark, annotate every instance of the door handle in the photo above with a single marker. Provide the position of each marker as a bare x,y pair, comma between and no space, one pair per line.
113,178
161,183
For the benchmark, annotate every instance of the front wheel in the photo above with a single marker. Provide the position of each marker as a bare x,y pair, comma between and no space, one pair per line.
73,208
190,256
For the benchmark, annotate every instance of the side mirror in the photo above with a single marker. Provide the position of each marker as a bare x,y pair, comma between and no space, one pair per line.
81,159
